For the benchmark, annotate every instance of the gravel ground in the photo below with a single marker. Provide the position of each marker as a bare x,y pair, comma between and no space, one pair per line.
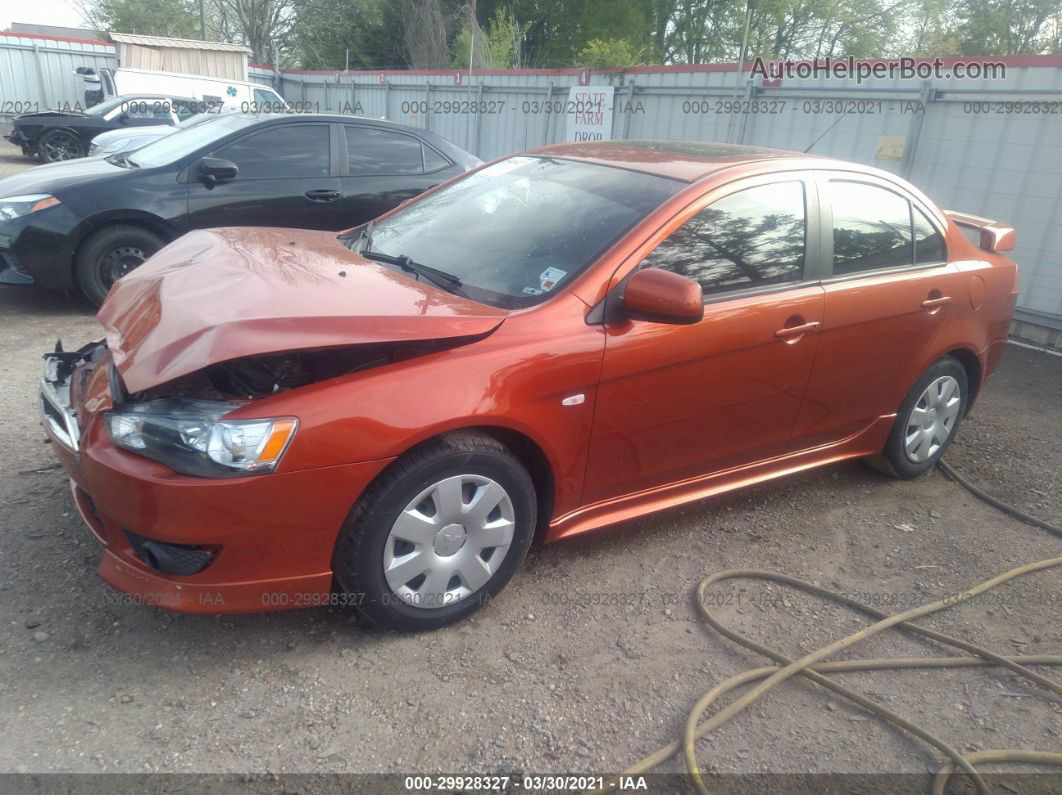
11,159
590,658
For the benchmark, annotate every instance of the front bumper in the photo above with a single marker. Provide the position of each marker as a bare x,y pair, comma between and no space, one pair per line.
272,536
17,138
39,248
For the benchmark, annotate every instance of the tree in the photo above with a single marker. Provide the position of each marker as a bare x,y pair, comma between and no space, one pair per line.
355,34
266,26
601,53
499,47
1010,27
173,18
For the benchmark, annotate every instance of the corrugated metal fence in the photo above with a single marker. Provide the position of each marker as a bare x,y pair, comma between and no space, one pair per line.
37,72
989,146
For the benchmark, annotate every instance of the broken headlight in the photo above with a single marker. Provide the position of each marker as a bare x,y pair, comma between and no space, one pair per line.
193,437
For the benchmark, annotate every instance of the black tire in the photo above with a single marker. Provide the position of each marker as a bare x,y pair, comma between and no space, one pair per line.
57,145
358,561
894,459
108,254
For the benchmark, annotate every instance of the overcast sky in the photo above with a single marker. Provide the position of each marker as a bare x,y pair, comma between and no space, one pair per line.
40,12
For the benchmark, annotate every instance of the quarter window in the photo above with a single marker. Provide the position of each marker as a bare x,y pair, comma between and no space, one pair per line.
929,245
751,238
871,228
374,151
289,150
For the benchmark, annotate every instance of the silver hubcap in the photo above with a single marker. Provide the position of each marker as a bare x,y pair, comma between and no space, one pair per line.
932,419
449,541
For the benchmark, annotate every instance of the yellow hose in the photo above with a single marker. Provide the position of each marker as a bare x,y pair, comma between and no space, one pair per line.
813,666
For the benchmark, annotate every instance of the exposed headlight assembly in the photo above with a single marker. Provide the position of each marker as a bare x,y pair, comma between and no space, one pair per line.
194,438
16,206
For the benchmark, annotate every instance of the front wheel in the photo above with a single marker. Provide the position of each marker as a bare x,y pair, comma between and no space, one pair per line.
111,253
59,145
927,421
438,534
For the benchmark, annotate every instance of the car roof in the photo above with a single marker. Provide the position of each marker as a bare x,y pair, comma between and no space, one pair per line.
153,96
682,160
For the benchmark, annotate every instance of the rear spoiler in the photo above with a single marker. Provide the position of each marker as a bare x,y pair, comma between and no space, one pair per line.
994,235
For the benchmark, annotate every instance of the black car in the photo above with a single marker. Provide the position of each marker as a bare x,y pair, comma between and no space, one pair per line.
86,223
55,135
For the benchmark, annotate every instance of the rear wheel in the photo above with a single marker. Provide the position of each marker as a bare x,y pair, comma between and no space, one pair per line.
438,534
60,145
927,421
109,254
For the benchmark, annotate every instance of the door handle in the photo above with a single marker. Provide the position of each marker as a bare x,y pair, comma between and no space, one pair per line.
934,303
789,332
322,196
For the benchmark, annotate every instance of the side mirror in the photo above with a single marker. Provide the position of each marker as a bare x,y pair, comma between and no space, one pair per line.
212,170
663,297
123,118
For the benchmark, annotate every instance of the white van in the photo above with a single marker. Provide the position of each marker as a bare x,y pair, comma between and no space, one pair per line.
217,93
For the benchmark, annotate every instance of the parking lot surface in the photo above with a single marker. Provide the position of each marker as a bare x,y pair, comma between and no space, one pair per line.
587,661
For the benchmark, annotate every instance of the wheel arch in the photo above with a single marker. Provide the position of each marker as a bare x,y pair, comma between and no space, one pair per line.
144,220
972,365
529,452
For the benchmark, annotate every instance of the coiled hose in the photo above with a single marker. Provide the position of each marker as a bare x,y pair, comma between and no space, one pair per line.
812,666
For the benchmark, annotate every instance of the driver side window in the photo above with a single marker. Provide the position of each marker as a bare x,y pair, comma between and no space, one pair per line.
751,238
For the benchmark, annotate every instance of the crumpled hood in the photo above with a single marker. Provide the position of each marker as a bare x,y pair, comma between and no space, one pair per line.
223,294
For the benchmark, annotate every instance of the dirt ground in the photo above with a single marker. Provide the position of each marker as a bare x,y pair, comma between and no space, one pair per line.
590,658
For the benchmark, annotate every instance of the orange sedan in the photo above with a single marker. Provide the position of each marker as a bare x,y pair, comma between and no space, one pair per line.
560,340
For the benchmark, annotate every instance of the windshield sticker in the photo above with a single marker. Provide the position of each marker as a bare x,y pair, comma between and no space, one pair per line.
532,291
550,277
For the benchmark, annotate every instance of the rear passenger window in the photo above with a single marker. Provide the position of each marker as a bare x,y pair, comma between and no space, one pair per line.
433,161
751,238
374,151
871,228
929,245
287,150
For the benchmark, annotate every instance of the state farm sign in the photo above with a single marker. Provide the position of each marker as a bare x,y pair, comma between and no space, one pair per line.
589,113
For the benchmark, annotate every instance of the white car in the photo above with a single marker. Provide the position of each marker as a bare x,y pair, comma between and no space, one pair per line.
117,141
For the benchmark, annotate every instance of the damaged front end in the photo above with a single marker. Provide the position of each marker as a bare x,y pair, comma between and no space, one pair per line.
184,423
63,386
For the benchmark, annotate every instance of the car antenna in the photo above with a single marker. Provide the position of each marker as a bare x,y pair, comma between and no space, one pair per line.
836,121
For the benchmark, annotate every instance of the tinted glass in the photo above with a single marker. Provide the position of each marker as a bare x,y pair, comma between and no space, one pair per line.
373,151
518,231
187,140
929,245
103,108
871,228
155,109
184,110
289,150
433,161
750,238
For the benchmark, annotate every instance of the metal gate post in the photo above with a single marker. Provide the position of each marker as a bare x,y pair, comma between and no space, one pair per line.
914,129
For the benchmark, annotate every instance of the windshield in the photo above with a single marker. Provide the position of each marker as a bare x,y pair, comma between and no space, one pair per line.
105,107
186,140
519,230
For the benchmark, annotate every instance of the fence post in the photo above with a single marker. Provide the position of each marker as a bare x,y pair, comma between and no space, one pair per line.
478,114
626,114
914,129
40,76
548,112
